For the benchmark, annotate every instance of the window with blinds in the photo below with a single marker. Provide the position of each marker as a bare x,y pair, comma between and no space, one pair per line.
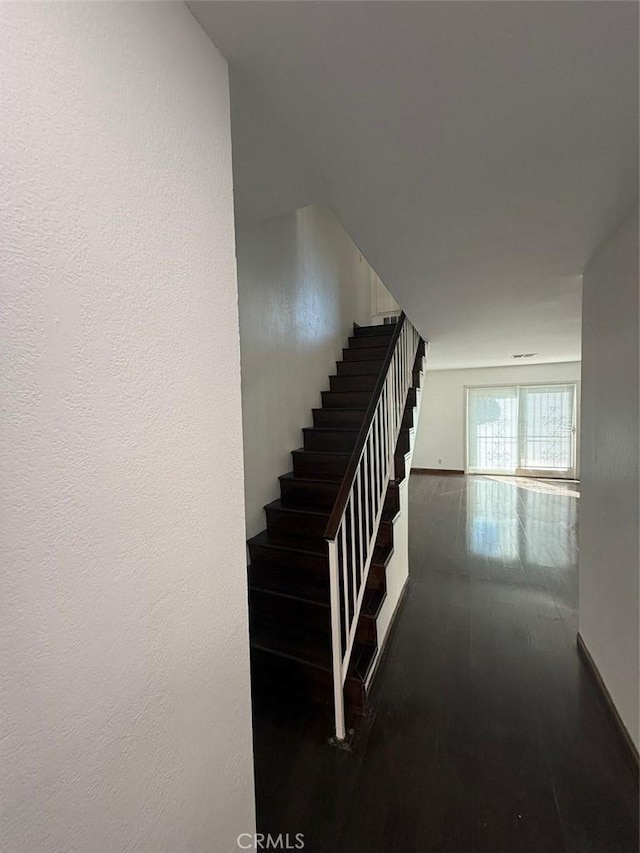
522,429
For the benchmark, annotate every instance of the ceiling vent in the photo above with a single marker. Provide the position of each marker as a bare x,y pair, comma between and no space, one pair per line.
524,355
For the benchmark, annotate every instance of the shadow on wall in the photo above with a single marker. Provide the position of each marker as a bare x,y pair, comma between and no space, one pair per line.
302,283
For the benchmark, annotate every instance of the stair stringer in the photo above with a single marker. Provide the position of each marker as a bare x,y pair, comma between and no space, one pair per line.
397,573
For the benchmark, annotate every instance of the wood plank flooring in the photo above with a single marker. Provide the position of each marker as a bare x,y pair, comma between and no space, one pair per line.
486,734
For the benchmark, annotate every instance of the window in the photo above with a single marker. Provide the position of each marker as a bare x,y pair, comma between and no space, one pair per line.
522,429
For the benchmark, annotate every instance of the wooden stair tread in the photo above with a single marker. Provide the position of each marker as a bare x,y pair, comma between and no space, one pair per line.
282,577
262,540
313,513
307,647
359,409
310,649
365,341
289,582
291,476
344,453
381,556
277,504
352,429
314,546
313,590
322,452
344,396
353,382
362,367
364,353
372,331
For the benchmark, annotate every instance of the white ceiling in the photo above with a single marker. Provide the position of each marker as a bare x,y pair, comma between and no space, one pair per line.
477,152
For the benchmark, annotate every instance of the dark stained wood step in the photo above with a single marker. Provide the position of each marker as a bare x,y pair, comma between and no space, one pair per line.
262,550
372,331
339,418
369,341
351,418
348,379
358,368
297,554
327,465
367,382
285,524
345,399
306,647
282,530
295,521
287,577
331,466
285,580
307,585
300,540
275,608
330,439
320,465
302,663
364,354
308,492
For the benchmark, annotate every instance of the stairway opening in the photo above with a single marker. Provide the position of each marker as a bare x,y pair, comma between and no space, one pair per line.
289,577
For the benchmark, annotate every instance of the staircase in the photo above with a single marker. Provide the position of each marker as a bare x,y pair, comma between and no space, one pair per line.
289,585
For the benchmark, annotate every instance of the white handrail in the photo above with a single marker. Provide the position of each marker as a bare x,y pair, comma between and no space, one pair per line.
352,540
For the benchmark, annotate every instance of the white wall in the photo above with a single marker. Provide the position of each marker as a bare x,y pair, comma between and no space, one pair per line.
302,284
440,442
125,713
609,505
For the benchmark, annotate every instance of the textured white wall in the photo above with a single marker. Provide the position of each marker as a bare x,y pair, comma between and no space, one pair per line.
125,712
302,284
609,558
441,434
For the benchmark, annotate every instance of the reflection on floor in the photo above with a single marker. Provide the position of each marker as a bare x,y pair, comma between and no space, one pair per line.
486,734
508,518
549,487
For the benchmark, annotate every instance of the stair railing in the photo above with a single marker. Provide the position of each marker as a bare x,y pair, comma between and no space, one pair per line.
352,528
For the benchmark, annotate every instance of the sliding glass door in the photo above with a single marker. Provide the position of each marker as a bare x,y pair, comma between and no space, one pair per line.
528,430
492,418
547,429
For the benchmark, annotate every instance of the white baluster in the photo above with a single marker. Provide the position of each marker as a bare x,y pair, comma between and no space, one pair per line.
367,489
336,641
345,575
354,568
362,557
376,464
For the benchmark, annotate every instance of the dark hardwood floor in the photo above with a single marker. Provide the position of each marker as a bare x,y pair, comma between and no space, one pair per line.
485,734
